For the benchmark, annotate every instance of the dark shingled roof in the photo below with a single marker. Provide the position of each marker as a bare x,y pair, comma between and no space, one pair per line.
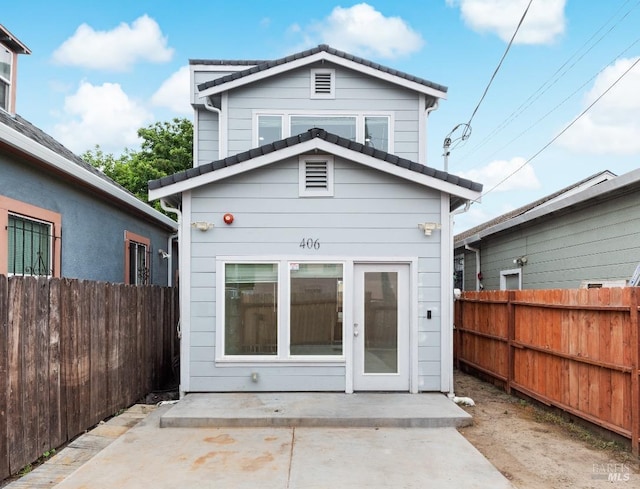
307,136
258,66
27,129
519,211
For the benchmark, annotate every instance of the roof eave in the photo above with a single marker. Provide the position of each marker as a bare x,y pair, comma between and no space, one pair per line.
305,147
328,57
50,158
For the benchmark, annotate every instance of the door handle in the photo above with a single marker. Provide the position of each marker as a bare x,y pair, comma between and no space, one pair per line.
355,329
356,333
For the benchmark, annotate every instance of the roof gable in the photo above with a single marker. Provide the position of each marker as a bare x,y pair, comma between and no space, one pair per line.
262,69
538,208
312,140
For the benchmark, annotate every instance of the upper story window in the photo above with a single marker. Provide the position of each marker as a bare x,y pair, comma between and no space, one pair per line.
371,130
6,59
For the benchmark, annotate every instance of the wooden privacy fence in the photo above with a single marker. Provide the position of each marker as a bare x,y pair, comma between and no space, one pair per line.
577,350
73,353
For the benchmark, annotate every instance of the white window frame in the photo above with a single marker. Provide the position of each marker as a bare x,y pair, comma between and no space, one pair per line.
7,81
505,273
283,355
256,127
359,116
303,191
312,84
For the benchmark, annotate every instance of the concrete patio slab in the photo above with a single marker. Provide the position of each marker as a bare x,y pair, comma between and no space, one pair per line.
315,410
285,458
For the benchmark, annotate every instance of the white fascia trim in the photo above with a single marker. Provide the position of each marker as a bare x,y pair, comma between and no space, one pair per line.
324,56
309,147
446,298
54,160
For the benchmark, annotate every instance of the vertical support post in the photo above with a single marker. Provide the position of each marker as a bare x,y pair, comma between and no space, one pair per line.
511,329
635,380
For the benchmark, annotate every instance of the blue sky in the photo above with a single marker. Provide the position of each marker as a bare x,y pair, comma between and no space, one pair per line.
100,70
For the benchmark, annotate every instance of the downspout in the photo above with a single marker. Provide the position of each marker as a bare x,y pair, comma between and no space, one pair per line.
212,108
171,210
477,252
428,111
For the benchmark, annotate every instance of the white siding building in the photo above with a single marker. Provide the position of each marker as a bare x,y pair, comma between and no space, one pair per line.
316,245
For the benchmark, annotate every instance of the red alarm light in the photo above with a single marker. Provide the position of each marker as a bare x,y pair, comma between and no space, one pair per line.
228,218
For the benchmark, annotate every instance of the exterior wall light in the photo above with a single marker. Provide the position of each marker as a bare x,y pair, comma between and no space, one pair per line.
427,227
202,225
521,260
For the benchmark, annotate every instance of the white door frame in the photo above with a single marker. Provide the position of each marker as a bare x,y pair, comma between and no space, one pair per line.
407,347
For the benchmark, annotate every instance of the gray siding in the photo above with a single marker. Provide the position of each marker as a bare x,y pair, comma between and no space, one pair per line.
371,215
208,136
92,229
598,242
355,93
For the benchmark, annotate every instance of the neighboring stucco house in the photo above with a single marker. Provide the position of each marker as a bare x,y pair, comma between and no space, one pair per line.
585,235
59,216
315,243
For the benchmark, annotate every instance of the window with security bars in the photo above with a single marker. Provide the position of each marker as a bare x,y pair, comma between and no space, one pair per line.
138,264
30,244
316,176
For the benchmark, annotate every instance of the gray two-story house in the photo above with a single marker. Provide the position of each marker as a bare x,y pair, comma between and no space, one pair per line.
315,242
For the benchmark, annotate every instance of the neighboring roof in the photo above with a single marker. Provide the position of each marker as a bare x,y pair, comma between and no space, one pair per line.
21,134
12,42
260,66
300,140
602,183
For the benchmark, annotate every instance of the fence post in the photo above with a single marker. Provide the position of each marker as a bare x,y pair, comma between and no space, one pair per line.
511,327
635,381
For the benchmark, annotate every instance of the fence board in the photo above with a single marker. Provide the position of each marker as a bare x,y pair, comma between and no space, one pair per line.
4,372
71,354
575,349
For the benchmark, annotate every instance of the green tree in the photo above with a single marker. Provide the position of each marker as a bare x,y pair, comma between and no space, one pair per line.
166,148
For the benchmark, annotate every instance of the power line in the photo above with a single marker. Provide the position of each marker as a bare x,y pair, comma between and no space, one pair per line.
565,100
499,65
555,77
563,131
466,132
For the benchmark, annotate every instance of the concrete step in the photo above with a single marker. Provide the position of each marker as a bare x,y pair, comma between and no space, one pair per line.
388,410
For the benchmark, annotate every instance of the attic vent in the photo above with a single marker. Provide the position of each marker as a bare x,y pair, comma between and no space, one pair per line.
316,176
322,83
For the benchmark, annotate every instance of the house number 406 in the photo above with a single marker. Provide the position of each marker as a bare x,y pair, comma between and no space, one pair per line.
310,244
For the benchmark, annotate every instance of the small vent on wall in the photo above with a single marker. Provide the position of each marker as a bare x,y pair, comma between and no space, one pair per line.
322,83
316,175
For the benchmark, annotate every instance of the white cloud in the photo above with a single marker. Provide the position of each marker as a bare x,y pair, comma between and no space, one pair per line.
174,93
612,126
496,171
102,115
364,30
544,22
117,49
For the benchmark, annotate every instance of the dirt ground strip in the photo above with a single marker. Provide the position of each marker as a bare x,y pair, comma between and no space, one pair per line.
535,448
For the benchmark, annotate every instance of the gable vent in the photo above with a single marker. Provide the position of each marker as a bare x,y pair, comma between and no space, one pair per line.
316,176
323,83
